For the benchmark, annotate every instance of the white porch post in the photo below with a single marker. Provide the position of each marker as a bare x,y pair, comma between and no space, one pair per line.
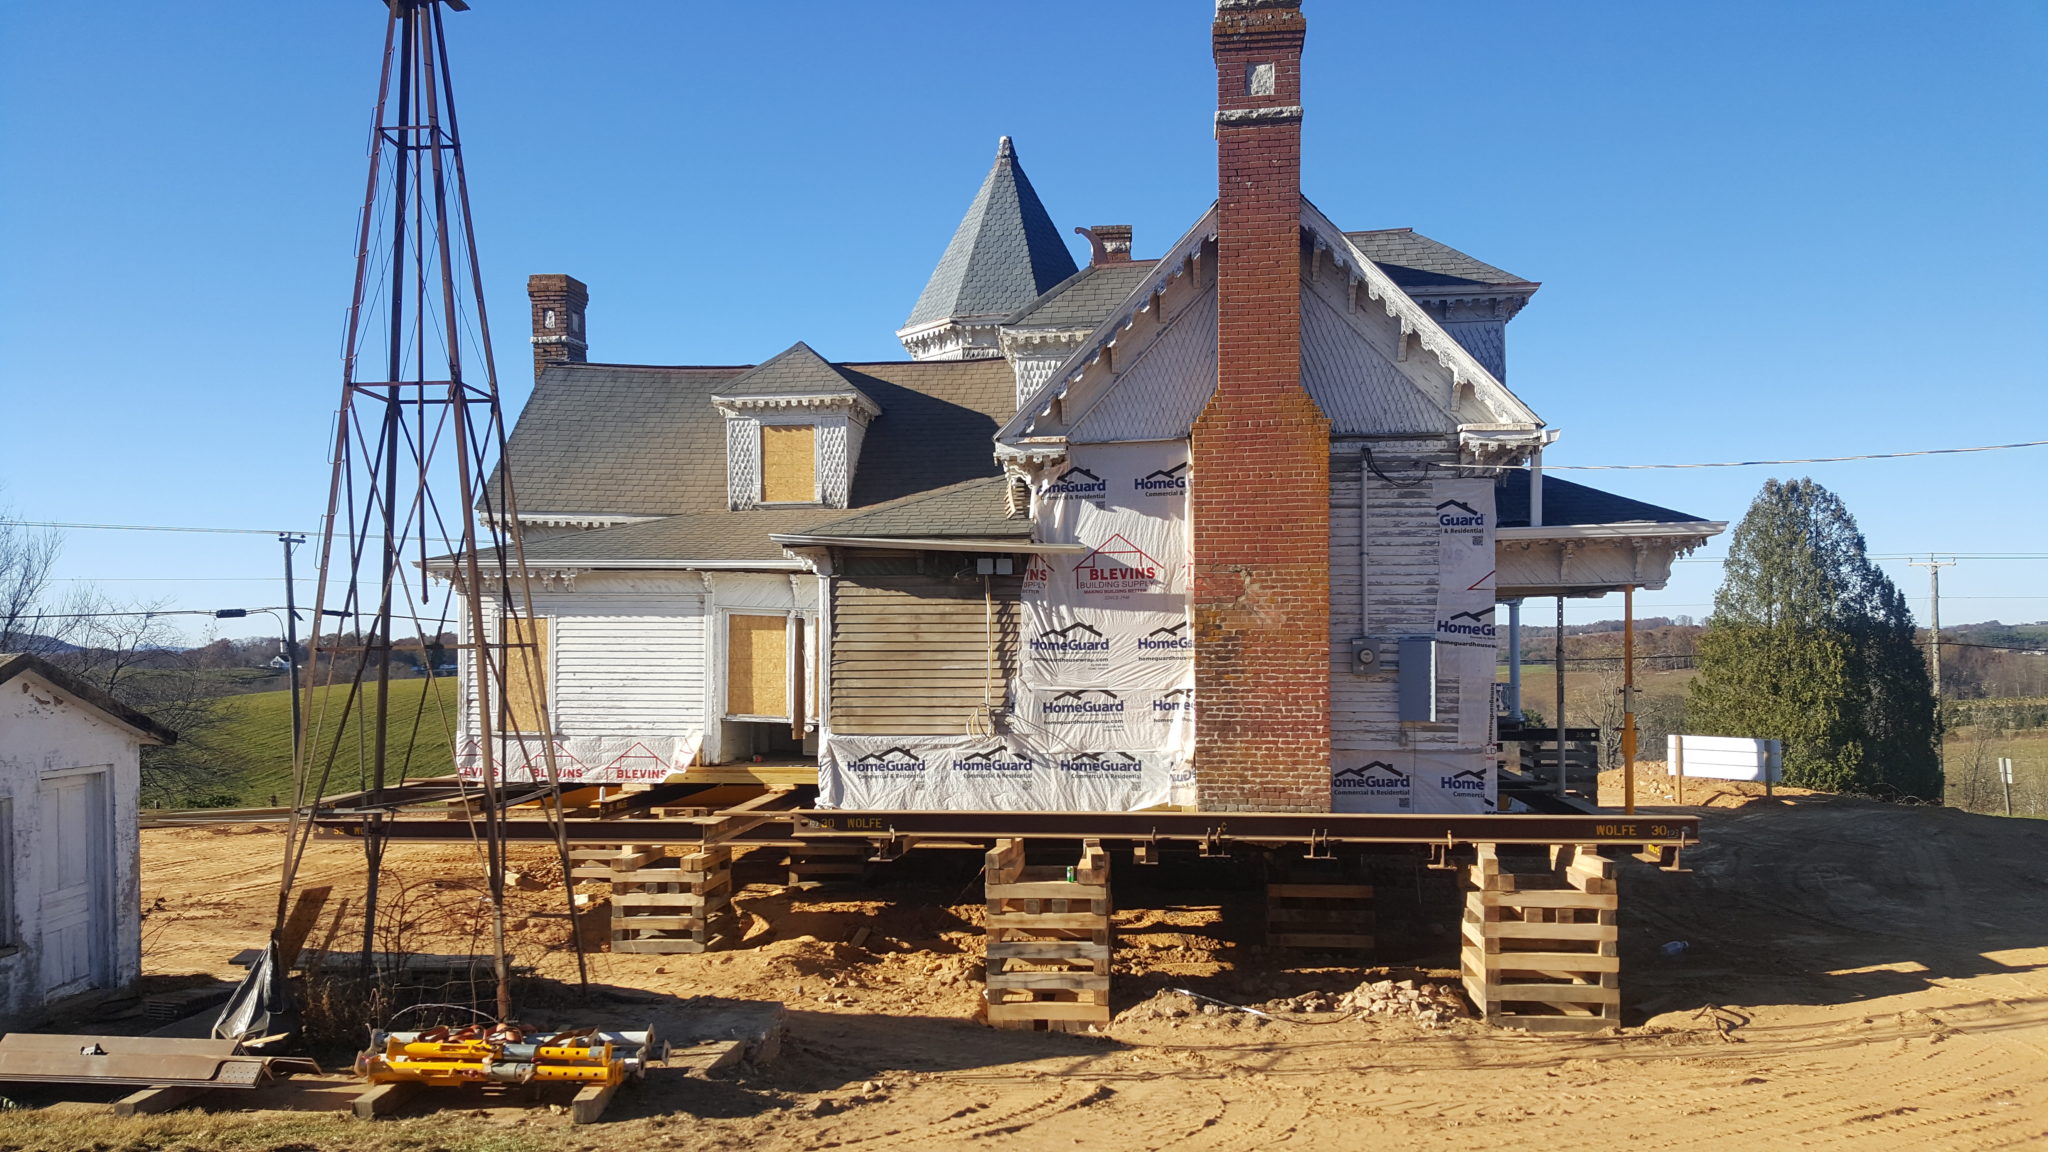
1515,660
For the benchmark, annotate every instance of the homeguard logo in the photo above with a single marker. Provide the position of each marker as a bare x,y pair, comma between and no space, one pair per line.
994,761
1117,566
1078,481
1172,705
1458,514
1102,764
1470,782
1372,778
1073,640
1467,624
1083,706
887,762
1171,640
1164,481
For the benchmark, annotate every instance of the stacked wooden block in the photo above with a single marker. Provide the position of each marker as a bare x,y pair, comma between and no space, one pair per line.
828,862
1306,910
663,902
1540,951
1048,941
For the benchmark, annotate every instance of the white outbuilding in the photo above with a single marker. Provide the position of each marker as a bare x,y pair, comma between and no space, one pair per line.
70,848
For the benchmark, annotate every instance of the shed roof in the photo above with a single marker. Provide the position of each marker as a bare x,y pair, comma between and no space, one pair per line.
13,664
1084,299
973,509
1566,504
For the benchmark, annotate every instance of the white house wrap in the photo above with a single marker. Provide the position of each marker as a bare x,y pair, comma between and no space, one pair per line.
1464,626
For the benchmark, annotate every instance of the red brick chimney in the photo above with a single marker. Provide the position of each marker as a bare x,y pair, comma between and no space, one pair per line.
1259,500
558,306
1108,243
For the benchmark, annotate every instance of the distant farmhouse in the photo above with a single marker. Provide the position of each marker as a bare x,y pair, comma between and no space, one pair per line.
1225,526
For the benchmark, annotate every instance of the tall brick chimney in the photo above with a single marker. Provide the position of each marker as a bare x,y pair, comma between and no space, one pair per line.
1108,243
1259,500
558,306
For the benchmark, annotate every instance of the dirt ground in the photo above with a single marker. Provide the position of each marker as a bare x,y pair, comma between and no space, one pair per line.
1851,975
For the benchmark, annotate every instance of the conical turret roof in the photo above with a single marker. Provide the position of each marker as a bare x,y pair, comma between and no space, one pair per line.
1005,253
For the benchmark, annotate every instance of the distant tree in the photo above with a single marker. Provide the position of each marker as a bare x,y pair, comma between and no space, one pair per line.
1811,643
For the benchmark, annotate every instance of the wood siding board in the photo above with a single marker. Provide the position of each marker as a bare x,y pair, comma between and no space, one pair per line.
910,651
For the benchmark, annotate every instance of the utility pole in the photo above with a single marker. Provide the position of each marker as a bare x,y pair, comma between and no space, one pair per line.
1934,568
291,647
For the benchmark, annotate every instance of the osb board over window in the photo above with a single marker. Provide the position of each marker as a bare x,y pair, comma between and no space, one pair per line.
526,672
757,666
789,464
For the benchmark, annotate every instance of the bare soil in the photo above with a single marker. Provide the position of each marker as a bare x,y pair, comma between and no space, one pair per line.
1842,974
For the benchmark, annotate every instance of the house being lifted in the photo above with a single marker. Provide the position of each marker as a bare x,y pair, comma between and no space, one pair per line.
1203,548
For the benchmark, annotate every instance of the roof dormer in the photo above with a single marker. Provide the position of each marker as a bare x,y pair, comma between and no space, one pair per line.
793,430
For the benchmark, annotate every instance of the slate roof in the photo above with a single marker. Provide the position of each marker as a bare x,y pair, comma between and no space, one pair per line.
795,371
1413,260
973,509
1004,254
1566,504
1084,299
609,439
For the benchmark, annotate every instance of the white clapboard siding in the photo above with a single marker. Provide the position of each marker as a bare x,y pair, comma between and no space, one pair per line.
1725,757
1403,570
627,663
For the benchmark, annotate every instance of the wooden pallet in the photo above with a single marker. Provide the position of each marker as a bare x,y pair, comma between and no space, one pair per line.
1048,941
1539,946
827,862
669,904
1315,912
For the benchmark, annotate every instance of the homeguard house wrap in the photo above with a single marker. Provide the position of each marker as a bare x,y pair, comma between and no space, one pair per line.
1227,529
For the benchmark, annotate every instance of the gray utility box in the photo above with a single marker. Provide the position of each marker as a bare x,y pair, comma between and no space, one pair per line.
1412,660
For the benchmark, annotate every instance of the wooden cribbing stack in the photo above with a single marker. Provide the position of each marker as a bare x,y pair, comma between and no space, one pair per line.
1315,908
1048,941
671,903
1540,951
828,862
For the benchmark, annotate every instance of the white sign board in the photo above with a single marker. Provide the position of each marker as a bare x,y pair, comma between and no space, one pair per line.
1727,758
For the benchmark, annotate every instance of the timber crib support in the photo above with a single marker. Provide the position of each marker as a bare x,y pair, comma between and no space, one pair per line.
1048,941
1539,950
680,903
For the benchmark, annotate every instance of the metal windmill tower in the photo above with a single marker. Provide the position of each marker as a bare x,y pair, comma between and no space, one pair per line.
418,428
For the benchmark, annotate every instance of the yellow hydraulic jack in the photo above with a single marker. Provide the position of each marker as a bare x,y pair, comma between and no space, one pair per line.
507,1054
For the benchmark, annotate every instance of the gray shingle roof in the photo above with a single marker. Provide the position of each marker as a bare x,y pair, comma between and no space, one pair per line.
609,439
796,370
972,509
1566,504
1084,299
1004,254
1413,260
13,664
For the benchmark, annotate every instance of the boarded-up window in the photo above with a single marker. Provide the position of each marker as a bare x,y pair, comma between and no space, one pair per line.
789,464
526,675
757,666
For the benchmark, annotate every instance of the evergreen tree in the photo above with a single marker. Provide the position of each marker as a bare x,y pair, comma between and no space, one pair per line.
1812,644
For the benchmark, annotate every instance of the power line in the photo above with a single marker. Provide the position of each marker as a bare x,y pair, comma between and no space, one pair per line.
1804,460
154,528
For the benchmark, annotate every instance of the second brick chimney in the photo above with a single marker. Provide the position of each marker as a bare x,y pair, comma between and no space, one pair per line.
1108,243
559,303
1259,500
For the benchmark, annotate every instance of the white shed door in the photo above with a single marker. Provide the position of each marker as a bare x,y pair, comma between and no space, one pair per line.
74,831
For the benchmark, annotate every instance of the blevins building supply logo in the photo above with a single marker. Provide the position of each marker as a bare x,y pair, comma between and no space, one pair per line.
887,762
1118,567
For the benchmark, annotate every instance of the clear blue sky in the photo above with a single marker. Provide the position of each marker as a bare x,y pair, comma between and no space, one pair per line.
1764,229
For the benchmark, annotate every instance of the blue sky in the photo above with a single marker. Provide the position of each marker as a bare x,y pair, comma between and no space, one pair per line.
1764,230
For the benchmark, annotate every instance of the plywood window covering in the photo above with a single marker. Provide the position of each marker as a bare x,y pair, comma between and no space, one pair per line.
526,673
757,666
789,464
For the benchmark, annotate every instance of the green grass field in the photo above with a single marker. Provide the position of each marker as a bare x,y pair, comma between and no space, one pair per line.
253,745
